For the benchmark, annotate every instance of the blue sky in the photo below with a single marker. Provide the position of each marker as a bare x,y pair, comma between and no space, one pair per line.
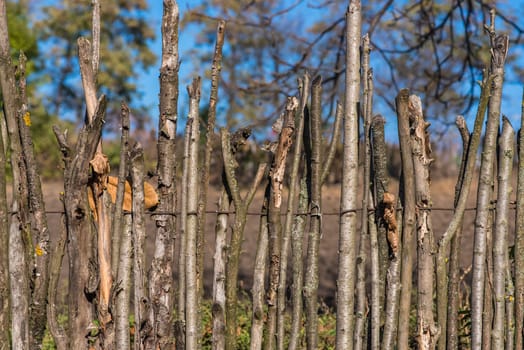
150,87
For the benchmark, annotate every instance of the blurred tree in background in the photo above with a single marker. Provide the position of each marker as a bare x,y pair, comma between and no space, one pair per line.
432,47
124,52
54,92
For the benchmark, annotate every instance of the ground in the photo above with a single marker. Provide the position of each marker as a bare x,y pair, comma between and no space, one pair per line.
442,196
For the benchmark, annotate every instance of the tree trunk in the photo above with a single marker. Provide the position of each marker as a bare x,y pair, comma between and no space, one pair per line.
125,265
55,265
348,200
449,330
5,313
116,230
259,274
276,178
141,299
180,323
229,147
19,281
500,239
297,236
161,284
192,306
122,312
362,306
219,273
210,134
18,225
409,220
380,186
460,206
519,240
499,49
427,330
393,222
40,240
290,211
312,141
82,280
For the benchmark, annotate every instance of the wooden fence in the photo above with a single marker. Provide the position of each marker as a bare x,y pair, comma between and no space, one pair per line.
387,260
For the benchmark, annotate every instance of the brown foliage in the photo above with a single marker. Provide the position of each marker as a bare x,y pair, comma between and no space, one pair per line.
150,195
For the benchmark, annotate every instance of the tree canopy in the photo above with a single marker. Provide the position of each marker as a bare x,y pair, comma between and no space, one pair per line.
124,51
